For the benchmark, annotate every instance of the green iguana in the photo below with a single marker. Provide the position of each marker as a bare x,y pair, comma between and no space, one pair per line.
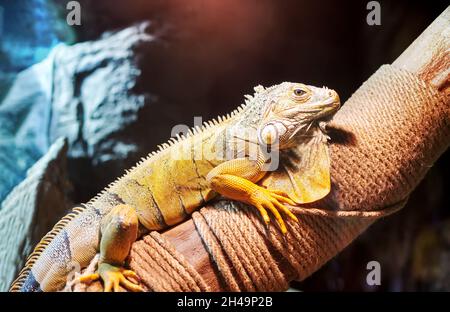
236,156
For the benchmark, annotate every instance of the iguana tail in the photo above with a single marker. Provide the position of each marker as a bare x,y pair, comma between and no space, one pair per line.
67,248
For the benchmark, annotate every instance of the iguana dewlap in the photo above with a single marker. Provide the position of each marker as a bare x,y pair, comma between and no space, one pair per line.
269,152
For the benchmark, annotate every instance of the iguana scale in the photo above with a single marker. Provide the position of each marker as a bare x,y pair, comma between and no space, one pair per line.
230,157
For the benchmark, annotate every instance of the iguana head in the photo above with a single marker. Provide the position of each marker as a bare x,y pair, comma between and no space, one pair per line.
291,109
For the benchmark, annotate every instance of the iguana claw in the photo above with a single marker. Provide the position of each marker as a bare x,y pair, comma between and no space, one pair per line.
264,199
113,277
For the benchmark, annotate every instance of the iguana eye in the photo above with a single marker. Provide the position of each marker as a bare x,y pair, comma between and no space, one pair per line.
299,92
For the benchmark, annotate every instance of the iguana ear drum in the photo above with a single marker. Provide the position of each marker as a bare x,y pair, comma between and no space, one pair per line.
272,133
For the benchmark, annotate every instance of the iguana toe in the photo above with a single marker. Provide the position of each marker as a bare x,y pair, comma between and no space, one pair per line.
264,199
113,277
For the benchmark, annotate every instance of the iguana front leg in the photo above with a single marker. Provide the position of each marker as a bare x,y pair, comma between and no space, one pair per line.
236,180
119,229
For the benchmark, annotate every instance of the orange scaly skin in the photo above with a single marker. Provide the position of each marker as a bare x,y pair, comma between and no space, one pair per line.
230,157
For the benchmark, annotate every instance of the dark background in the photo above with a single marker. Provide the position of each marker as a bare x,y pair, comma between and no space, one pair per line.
210,53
